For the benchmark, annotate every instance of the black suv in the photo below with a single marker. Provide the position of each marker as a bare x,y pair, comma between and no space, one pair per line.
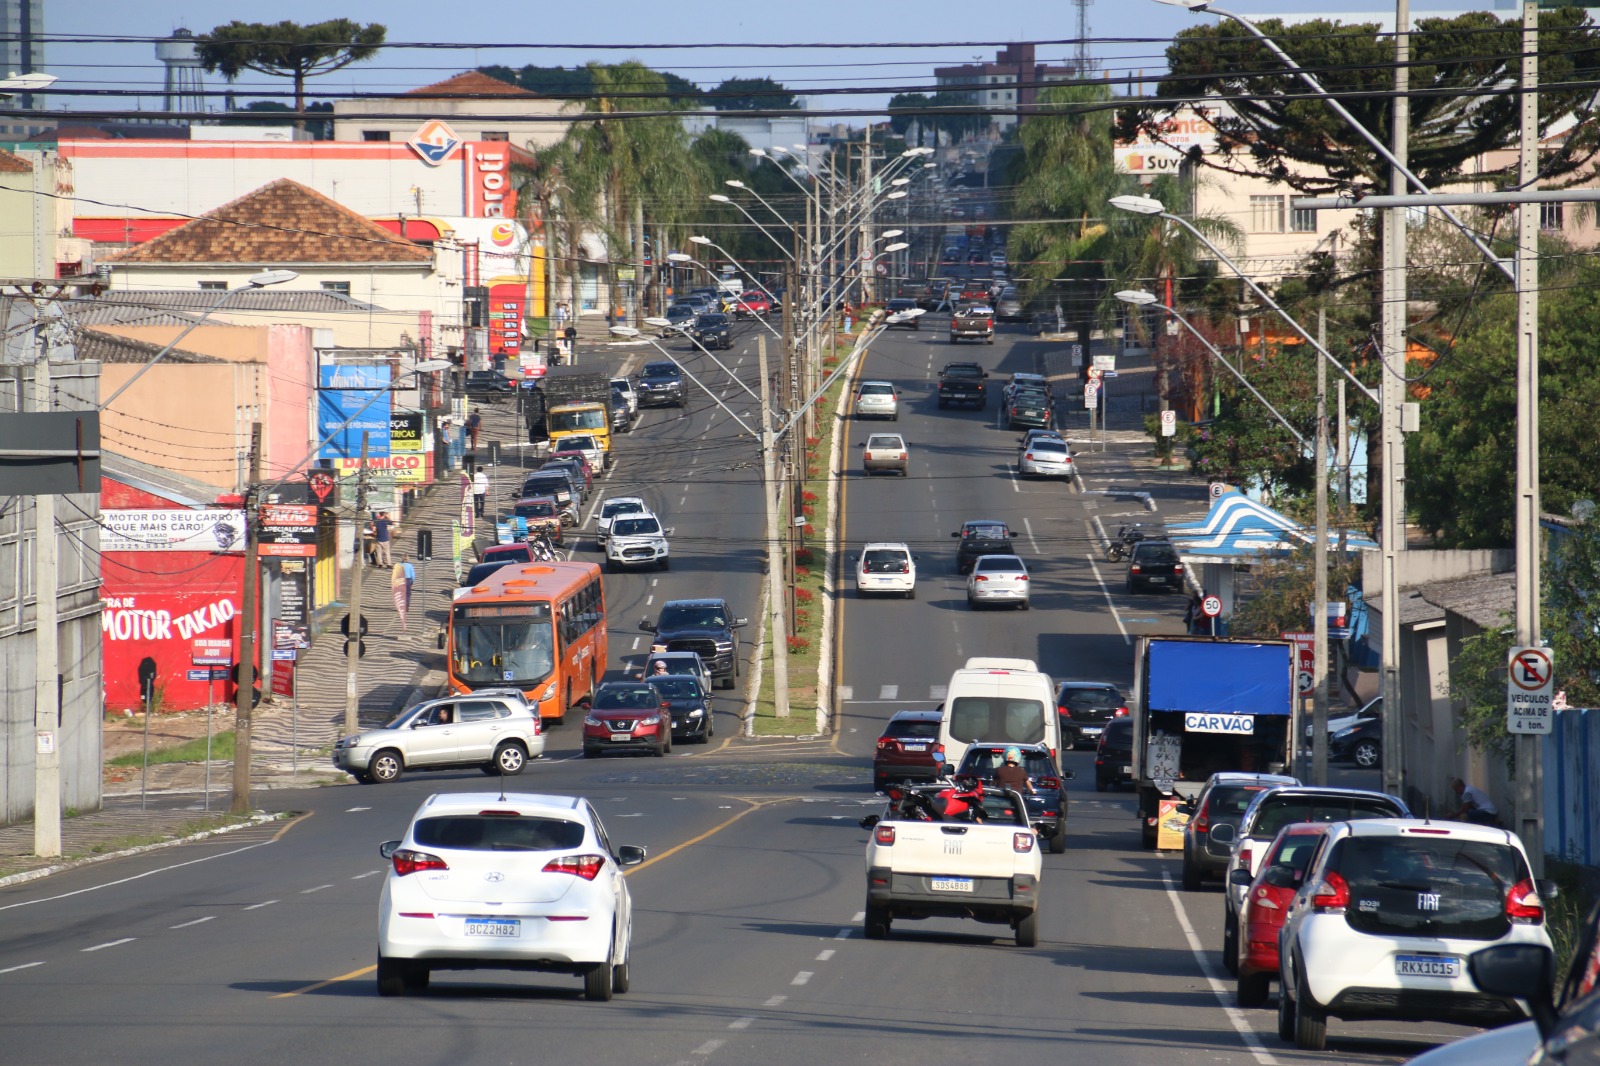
488,383
705,627
985,536
688,703
1154,564
713,331
963,383
661,384
1084,708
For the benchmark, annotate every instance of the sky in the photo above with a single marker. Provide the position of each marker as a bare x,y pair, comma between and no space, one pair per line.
1134,34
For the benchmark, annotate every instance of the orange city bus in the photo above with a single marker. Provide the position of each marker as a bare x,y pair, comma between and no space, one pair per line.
540,627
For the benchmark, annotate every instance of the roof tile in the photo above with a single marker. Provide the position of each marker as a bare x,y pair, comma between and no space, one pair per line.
471,83
14,164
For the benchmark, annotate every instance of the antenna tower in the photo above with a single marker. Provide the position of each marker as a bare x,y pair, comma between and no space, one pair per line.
1083,60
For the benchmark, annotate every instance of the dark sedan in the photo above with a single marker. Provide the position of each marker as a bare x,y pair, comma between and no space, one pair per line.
1047,803
490,384
981,537
1084,708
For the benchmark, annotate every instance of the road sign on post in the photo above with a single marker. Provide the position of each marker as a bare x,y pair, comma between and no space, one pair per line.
1091,394
1169,423
1530,691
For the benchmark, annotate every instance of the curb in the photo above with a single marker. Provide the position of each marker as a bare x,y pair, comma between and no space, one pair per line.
47,871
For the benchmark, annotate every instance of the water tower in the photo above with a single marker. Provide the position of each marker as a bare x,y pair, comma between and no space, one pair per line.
182,86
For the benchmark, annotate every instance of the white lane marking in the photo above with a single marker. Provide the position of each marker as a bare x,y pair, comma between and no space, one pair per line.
860,916
197,921
635,645
1252,1039
258,906
648,600
775,1001
889,692
369,873
1109,601
846,692
843,934
654,582
1016,481
135,877
708,1047
801,978
826,954
683,499
356,810
308,891
111,944
1028,526
31,965
741,1023
938,692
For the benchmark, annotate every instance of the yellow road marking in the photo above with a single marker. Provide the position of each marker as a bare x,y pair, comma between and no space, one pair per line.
352,975
280,834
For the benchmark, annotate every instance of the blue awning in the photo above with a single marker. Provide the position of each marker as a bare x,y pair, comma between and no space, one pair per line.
1237,526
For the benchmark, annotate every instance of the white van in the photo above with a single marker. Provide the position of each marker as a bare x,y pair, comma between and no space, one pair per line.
1003,701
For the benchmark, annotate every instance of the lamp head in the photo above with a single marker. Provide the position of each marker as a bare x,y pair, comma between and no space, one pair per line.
734,182
624,331
719,198
430,366
889,234
659,323
896,195
701,240
897,246
760,152
679,257
272,277
1196,6
1139,205
901,181
1136,297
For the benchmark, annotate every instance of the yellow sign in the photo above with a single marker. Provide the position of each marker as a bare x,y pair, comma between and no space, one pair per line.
404,468
1170,823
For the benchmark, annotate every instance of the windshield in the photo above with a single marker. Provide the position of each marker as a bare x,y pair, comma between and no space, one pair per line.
1275,812
683,617
550,485
635,527
677,688
998,718
566,421
626,698
578,443
503,644
542,509
885,561
659,370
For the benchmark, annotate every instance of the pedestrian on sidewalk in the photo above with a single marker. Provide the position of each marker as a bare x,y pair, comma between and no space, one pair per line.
474,427
1193,616
571,333
369,546
480,491
410,575
382,532
401,592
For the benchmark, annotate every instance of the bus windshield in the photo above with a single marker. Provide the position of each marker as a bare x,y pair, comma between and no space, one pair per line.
499,644
582,419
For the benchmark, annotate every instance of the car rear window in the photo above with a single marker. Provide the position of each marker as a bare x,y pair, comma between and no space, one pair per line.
535,510
986,761
995,564
1155,553
1275,813
497,832
885,442
1053,447
1090,699
1428,886
986,532
1119,733
911,727
999,718
1294,851
1226,800
870,389
885,561
484,569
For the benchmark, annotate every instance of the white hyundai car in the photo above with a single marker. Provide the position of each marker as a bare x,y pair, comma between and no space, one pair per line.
485,880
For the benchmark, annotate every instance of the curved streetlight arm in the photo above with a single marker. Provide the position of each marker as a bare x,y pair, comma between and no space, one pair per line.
1507,267
734,203
692,339
631,332
742,270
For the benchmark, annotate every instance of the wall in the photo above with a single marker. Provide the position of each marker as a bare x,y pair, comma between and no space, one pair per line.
469,119
190,418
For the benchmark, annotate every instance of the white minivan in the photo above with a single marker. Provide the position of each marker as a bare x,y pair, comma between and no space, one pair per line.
1004,701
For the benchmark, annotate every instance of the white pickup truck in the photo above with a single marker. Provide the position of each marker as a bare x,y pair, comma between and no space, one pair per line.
983,866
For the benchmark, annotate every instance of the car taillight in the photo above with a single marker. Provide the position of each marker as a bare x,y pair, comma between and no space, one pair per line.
1022,577
902,455
1332,894
1064,711
885,743
883,834
1022,843
1202,820
1122,712
584,866
410,862
979,577
1049,782
1244,856
906,569
1029,457
1523,904
1177,568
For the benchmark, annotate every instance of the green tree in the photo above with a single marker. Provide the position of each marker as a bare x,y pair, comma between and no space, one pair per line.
753,94
906,108
1459,106
579,81
288,49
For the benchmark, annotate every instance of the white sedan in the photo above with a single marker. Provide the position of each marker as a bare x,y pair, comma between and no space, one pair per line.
998,579
505,881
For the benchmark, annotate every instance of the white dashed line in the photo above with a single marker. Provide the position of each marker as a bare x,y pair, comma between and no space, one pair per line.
197,921
843,934
31,965
369,873
1028,526
258,906
356,810
802,977
889,692
648,600
825,955
111,944
847,692
1109,601
1251,1039
318,888
775,1001
861,916
741,1023
709,1047
635,645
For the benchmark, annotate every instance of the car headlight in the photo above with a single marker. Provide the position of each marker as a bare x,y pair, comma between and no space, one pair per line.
1346,731
347,742
588,720
654,719
549,690
696,713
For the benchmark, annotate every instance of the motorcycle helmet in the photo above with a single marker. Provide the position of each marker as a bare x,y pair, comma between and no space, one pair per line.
1014,754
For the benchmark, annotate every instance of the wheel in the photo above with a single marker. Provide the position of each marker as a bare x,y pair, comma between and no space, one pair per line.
597,983
1058,842
386,766
942,403
661,749
879,782
664,563
1230,941
611,566
989,341
877,923
1285,1011
1251,989
911,593
1367,754
510,759
591,753
621,978
1028,930
391,976
1191,877
667,740
361,776
1310,1023
1131,589
414,976
971,605
1025,606
1099,783
1147,837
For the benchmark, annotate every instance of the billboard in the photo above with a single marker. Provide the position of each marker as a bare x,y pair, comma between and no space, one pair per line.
352,399
154,633
179,529
1164,150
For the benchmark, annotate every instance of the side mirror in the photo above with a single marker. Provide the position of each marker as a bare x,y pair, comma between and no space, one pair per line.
1279,877
440,637
630,855
740,623
955,534
947,769
1240,878
863,444
1222,834
1069,775
672,531
388,848
1186,808
1519,971
1013,534
868,822
647,625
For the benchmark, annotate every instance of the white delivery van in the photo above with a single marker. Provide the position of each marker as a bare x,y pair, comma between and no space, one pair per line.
1003,701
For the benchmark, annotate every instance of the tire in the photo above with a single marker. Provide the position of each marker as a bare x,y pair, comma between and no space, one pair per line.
1191,877
414,976
1310,1022
664,563
876,925
1025,606
597,983
661,749
1251,989
391,976
1099,783
621,978
1230,941
1131,589
1367,754
971,604
361,776
386,766
1028,930
942,403
911,593
1285,1012
879,783
1147,837
611,566
591,753
1058,842
510,759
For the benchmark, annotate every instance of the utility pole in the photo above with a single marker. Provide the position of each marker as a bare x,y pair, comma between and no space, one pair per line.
352,640
777,622
1529,747
46,646
244,699
1319,598
864,256
1391,393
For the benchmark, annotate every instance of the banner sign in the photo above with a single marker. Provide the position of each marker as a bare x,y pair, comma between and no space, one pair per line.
288,530
405,432
347,389
406,467
172,530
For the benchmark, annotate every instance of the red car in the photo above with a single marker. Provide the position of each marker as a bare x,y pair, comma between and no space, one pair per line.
908,750
753,302
1266,904
627,716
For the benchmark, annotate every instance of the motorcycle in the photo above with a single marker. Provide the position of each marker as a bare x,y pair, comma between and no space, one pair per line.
1127,536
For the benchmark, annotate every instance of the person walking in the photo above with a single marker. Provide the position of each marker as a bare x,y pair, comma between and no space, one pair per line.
474,427
382,533
369,547
571,333
480,491
410,573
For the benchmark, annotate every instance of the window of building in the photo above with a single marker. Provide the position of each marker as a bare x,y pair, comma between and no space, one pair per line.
1302,220
213,286
340,287
994,96
1266,214
374,135
1552,216
495,135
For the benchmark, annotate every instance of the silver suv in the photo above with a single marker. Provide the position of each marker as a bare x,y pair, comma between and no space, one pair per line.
495,731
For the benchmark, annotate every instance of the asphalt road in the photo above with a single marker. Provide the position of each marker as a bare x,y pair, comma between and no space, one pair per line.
257,947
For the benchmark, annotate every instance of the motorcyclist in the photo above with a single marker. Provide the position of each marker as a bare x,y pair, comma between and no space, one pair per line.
1011,773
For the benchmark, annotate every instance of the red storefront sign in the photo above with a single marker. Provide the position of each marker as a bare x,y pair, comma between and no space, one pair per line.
288,531
162,627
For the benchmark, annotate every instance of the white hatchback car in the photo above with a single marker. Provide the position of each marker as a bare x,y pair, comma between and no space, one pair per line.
514,881
998,579
1386,916
885,451
885,567
877,399
1045,457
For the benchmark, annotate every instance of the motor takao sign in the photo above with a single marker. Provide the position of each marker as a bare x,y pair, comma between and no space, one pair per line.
172,530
